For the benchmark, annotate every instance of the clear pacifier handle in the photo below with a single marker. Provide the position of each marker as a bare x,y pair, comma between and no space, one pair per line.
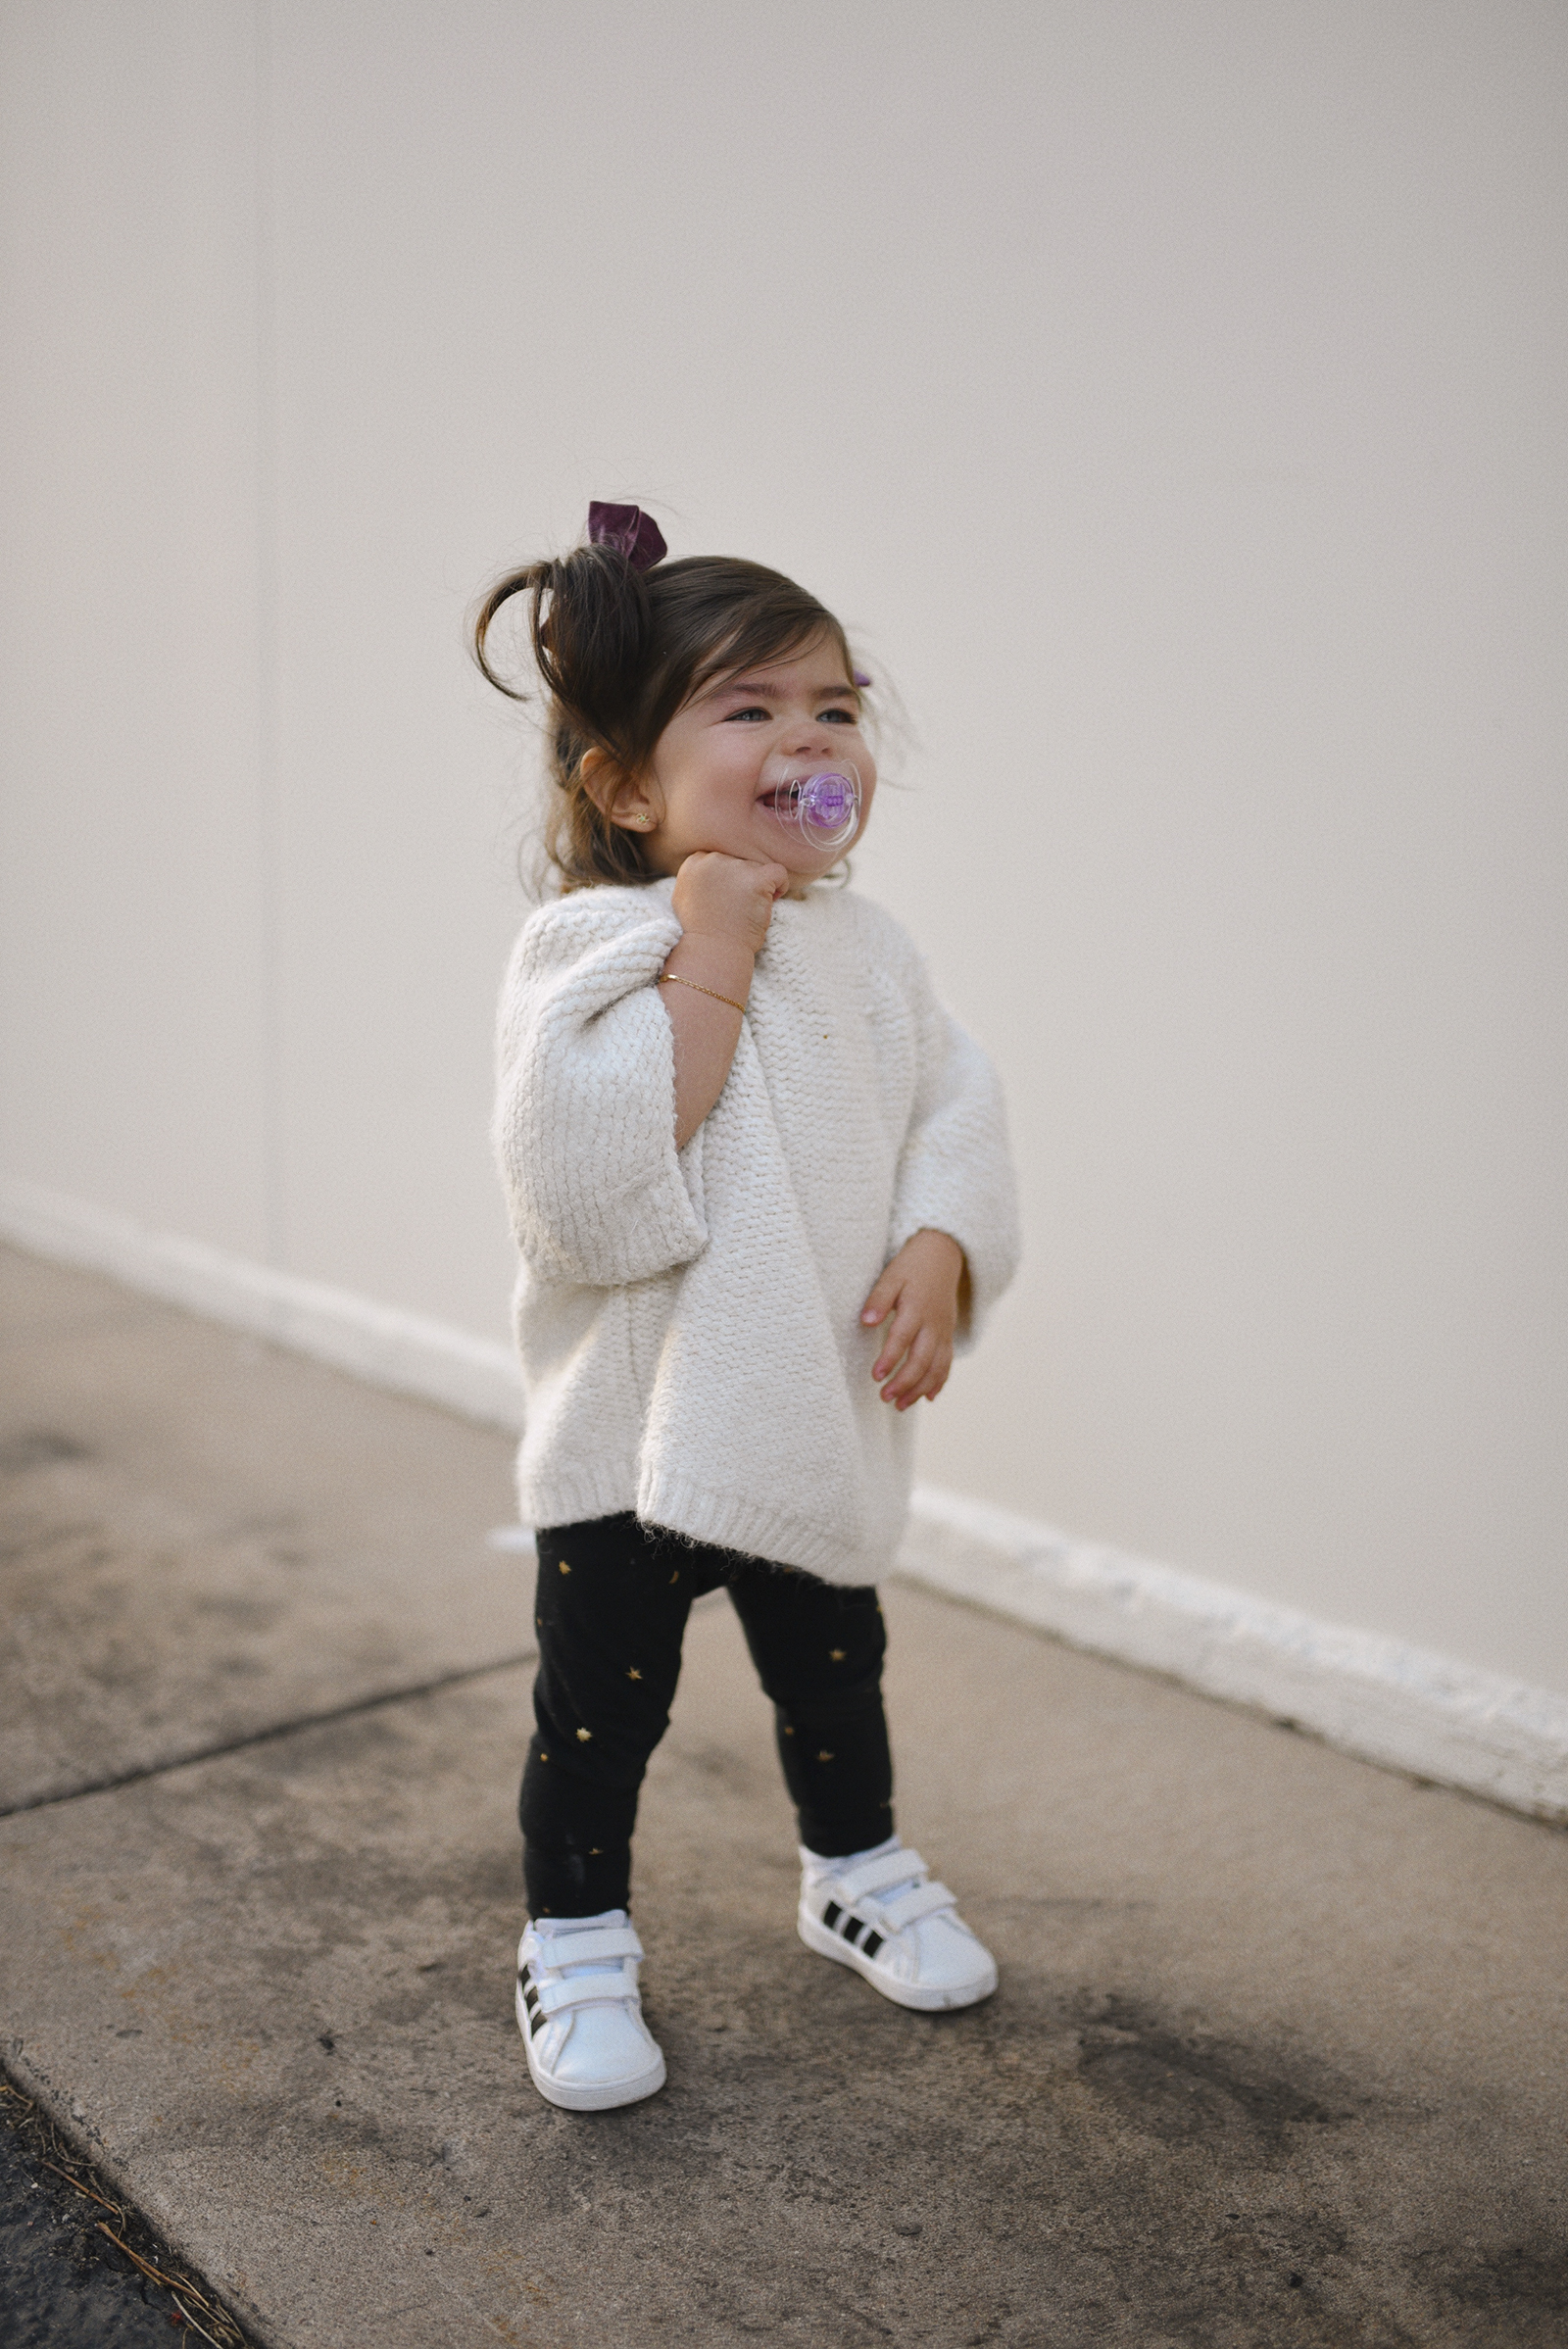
826,805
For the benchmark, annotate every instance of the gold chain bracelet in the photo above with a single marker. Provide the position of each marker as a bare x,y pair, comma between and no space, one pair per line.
670,978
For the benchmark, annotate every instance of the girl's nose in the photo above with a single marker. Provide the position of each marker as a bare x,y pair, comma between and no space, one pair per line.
810,740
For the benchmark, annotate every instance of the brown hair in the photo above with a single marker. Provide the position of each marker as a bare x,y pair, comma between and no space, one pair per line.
621,651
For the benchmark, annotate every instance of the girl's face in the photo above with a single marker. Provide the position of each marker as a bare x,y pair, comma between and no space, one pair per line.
713,781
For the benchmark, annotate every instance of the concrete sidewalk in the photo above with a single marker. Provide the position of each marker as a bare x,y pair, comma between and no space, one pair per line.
1278,2055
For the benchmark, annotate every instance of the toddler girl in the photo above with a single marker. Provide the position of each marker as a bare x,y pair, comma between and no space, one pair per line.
760,1182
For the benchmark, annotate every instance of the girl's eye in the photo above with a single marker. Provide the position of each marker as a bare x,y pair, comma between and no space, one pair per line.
755,712
840,718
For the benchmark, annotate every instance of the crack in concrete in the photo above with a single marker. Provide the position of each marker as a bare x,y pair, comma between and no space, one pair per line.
268,1735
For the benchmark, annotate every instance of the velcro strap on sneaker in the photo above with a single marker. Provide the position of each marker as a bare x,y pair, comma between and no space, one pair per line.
589,1948
582,1989
920,1900
872,1876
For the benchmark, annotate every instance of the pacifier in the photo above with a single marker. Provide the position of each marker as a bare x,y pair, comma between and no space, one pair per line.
823,804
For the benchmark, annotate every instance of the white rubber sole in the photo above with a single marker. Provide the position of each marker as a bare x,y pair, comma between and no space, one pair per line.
926,1999
597,2096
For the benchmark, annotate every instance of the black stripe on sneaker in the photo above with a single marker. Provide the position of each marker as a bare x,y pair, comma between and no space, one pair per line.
870,1946
831,1915
852,1930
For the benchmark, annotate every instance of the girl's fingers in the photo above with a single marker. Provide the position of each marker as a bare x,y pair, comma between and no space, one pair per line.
903,1331
895,1356
880,1303
932,1384
914,1357
904,1386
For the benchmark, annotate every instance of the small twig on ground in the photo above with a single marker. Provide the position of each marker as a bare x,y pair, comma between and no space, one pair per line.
35,2126
172,2285
112,2206
186,2318
168,2281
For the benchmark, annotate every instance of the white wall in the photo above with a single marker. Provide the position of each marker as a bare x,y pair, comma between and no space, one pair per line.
134,984
1173,397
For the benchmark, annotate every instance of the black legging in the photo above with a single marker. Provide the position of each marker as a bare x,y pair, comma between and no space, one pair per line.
611,1611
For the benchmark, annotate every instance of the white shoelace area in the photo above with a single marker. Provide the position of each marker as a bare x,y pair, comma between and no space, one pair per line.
553,1935
818,1870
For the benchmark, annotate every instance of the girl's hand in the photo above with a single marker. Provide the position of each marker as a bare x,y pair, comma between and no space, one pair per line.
727,897
920,1288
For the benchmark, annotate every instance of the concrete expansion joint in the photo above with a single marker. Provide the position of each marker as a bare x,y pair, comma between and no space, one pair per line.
214,1751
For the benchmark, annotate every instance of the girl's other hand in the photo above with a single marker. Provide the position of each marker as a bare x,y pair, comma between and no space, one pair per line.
920,1288
727,897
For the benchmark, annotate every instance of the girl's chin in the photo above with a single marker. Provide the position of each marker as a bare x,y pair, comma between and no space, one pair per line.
787,848
802,873
800,861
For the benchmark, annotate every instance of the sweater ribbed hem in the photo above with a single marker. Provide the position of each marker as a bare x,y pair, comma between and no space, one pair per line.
743,1523
607,1491
726,1520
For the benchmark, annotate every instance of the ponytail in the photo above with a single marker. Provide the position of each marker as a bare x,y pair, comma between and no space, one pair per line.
589,620
589,623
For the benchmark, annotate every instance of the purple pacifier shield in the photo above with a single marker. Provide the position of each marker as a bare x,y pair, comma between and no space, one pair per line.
827,801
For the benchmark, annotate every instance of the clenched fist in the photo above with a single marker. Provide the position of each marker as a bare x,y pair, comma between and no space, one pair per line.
727,897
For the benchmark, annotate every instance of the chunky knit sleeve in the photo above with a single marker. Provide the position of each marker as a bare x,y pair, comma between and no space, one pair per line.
585,1105
956,1169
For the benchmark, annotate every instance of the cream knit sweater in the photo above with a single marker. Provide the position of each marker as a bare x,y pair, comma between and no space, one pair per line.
689,1321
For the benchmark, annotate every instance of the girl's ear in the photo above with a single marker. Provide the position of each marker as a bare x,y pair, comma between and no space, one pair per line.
616,795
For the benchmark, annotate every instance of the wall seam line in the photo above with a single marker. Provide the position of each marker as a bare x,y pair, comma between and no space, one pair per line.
267,682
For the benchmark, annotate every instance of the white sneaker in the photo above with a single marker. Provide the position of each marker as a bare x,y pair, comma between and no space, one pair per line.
580,2015
880,1912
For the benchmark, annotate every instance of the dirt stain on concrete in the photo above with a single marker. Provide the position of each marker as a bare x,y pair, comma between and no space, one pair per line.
38,1447
1184,2086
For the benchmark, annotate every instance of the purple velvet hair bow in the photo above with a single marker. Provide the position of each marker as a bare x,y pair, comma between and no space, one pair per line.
635,533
